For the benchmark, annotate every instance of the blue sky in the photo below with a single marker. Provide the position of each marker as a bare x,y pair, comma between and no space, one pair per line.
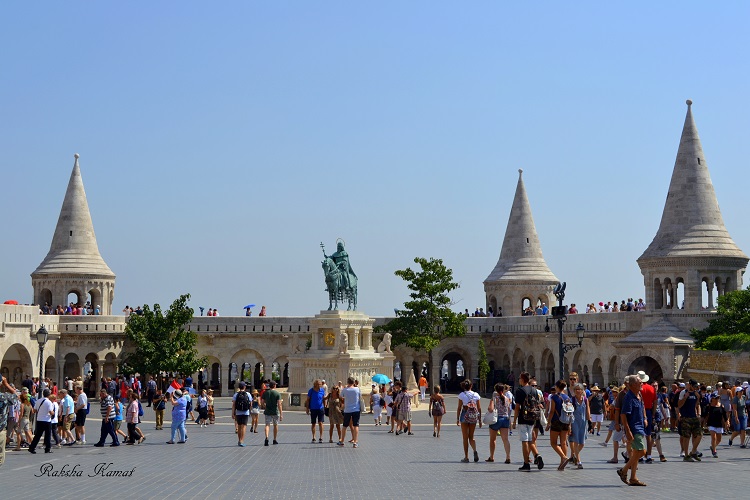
221,143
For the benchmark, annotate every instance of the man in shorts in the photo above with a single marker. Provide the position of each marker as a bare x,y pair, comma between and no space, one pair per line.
526,425
272,410
690,422
633,421
81,405
241,411
314,408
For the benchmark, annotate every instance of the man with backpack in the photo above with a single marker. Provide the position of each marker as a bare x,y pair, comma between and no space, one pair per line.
527,411
241,412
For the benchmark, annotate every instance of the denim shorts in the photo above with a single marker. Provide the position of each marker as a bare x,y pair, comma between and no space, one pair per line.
502,423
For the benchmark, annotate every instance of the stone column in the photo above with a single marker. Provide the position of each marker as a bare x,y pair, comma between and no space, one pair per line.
353,338
367,339
315,336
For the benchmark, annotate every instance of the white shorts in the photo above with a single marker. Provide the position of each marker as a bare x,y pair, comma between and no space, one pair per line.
717,430
377,410
597,418
526,432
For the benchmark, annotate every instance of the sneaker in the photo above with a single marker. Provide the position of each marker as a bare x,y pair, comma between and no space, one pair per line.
320,440
662,458
688,458
625,456
649,460
356,445
682,454
714,454
697,457
313,441
275,442
266,443
525,467
242,444
603,443
699,454
743,446
730,442
340,443
539,462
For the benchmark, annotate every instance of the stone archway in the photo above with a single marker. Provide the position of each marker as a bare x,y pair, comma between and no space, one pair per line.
613,373
518,362
454,366
72,366
16,363
649,365
597,374
547,372
50,368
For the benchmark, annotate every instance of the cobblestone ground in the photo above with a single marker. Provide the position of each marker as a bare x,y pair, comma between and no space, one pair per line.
384,466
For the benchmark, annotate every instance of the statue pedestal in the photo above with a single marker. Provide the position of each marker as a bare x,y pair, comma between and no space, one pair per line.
341,347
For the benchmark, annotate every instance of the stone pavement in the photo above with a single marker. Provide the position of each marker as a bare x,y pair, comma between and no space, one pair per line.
384,466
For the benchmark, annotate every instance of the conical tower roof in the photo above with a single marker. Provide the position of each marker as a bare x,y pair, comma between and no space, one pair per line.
521,258
691,225
74,249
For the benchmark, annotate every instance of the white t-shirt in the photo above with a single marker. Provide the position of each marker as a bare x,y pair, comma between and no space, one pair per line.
467,397
82,401
53,419
43,407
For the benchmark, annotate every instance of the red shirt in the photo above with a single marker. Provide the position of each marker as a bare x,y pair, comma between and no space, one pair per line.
649,396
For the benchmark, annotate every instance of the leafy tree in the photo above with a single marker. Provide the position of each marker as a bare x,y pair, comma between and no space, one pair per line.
484,367
730,330
160,341
427,318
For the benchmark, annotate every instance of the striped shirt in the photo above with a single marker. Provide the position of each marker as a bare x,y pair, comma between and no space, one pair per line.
108,407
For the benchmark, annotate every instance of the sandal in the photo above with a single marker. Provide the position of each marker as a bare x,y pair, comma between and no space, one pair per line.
635,482
465,460
507,460
613,461
490,460
563,464
623,475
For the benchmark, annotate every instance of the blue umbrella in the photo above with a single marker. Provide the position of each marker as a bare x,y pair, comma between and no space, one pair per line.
380,378
249,306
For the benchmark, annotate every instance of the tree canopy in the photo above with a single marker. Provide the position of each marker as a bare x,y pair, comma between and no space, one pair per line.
730,330
427,318
160,342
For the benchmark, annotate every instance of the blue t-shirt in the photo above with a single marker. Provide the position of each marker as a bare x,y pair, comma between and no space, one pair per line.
316,398
249,404
351,397
178,410
118,415
632,407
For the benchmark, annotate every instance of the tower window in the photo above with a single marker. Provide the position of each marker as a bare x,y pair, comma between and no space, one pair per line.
699,161
527,240
71,233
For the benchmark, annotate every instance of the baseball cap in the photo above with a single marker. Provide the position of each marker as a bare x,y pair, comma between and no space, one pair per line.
682,384
242,385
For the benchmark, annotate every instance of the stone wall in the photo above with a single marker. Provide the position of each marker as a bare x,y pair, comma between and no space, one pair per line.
710,367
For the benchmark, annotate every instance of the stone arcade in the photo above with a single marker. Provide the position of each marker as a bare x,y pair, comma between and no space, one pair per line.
691,252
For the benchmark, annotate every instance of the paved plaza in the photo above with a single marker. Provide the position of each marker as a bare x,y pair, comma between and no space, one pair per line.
384,466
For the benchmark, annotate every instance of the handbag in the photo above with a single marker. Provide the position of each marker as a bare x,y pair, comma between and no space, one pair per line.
490,418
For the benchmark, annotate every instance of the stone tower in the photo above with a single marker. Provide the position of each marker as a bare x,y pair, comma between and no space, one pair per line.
521,272
73,264
692,249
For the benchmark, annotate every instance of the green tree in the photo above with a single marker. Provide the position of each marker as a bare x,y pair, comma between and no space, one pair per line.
159,342
427,318
730,329
484,367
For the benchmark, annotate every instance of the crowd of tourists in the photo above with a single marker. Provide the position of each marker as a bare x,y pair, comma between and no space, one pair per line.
72,309
639,411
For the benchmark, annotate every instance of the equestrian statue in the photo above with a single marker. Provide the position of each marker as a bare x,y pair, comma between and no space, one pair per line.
341,282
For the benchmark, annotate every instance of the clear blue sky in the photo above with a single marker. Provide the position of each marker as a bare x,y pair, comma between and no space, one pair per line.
220,143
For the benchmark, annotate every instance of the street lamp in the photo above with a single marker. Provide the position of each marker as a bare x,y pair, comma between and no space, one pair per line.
41,338
560,313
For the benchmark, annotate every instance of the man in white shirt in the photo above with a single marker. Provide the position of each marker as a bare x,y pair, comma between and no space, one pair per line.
45,410
67,415
81,405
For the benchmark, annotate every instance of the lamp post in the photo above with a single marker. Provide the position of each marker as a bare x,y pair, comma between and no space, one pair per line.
41,338
560,314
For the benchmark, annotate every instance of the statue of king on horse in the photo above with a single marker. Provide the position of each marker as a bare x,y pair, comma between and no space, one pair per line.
341,282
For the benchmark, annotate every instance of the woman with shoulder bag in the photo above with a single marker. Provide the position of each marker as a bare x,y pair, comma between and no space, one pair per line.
559,431
501,405
436,410
468,414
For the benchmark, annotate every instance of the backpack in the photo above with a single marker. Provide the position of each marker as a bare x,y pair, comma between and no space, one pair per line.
471,415
437,408
530,407
243,402
189,406
140,408
567,411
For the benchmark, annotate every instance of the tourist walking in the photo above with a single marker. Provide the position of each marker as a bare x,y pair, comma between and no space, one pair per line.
131,419
500,404
739,416
81,408
254,411
7,401
44,411
241,402
525,416
402,403
468,415
335,414
272,411
107,408
203,409
150,390
23,427
581,417
558,422
352,409
422,387
718,422
119,415
690,424
596,407
388,398
376,404
314,407
67,416
179,415
633,420
436,410
159,404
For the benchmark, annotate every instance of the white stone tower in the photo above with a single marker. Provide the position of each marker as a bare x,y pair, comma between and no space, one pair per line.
73,264
521,272
692,248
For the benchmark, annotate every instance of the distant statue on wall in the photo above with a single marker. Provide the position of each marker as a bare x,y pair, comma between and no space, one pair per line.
344,347
385,345
341,281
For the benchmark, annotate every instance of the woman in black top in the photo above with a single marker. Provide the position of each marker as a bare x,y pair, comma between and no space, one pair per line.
717,422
